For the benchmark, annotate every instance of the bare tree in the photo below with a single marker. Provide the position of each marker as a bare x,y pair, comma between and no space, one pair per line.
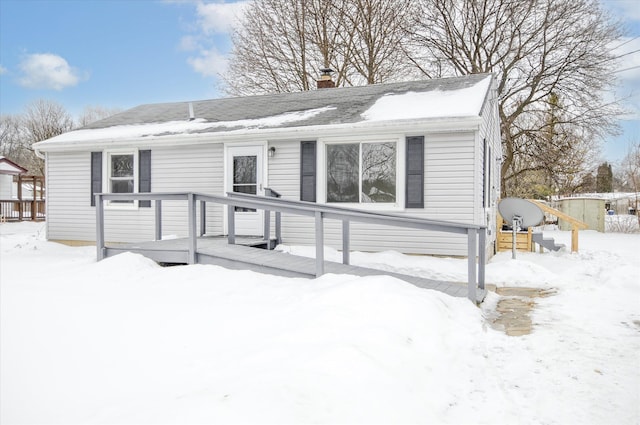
377,49
535,48
273,50
12,138
282,45
41,120
630,167
95,113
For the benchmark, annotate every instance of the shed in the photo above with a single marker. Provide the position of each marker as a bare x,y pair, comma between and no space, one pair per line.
588,210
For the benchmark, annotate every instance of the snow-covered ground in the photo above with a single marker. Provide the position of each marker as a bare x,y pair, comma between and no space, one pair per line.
127,341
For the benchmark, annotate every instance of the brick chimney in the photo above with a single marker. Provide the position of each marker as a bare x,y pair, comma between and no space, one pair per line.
325,81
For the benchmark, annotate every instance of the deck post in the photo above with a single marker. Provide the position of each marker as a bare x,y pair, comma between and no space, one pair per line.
471,263
20,207
193,240
158,203
319,244
34,208
345,242
267,228
278,227
99,228
231,224
482,255
203,217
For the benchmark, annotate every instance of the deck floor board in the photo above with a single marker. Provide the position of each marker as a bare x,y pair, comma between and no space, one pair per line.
216,250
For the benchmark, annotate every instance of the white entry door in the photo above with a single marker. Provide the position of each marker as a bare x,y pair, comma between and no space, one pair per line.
245,175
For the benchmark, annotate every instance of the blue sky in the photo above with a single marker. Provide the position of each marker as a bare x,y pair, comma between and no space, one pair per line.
123,53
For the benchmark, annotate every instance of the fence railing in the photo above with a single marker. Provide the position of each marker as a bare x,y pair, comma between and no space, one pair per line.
20,210
476,234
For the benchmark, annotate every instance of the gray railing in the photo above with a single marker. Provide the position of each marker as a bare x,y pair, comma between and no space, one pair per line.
476,234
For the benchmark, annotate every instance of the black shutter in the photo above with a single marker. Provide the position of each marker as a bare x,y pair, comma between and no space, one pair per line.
308,171
415,172
96,175
144,175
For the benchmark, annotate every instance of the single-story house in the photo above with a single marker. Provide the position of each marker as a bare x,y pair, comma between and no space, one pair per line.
427,149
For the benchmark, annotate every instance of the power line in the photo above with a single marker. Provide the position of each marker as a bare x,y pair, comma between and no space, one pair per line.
626,54
626,42
627,69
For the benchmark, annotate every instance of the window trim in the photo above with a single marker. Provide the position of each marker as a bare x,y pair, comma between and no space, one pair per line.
321,177
106,178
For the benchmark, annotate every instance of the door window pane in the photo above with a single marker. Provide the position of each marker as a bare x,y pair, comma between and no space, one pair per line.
378,172
245,171
342,173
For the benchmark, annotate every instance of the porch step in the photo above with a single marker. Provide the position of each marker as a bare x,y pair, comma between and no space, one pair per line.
548,243
256,242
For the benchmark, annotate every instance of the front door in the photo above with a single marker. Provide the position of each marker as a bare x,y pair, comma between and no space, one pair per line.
244,175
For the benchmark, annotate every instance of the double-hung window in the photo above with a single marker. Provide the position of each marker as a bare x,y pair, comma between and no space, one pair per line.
363,172
124,172
121,174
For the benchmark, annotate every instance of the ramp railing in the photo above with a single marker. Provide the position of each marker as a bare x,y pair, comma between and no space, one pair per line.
476,234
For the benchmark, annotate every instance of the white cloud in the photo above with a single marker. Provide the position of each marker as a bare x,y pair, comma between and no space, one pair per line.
628,8
47,71
209,63
213,20
189,43
219,17
3,70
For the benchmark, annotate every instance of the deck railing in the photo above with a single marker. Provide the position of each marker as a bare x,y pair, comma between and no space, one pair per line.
476,234
20,210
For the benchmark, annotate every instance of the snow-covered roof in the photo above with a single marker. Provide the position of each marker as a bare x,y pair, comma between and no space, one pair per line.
459,97
9,167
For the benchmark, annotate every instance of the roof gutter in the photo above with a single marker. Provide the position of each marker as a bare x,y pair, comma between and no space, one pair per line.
409,126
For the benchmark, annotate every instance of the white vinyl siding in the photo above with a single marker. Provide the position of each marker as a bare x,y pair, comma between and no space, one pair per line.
489,131
71,218
69,213
191,169
449,192
451,166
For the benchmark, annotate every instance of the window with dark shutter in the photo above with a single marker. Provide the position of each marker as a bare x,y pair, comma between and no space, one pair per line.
96,175
144,173
415,172
308,171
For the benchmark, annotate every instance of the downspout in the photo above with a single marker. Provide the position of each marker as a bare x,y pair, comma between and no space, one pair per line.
44,182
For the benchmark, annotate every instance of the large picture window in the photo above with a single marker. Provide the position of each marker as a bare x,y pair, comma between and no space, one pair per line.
361,172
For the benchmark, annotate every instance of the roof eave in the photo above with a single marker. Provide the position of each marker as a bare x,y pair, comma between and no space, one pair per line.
413,126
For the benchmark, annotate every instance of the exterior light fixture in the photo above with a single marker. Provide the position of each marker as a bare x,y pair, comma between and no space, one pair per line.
272,152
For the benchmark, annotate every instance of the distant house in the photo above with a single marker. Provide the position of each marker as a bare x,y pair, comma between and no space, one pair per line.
9,169
424,148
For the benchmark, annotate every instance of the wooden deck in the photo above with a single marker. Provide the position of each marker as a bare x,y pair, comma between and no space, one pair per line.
217,251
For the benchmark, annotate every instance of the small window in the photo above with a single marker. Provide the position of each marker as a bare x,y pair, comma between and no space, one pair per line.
361,172
121,175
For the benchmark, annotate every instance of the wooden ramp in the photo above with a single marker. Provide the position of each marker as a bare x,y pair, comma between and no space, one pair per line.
216,251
